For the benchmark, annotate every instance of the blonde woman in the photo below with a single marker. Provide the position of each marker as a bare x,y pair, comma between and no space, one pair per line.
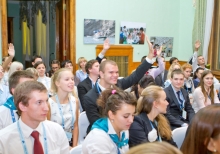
81,73
64,108
149,124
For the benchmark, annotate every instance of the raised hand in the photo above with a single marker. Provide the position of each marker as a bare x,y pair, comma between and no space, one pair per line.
197,45
11,50
106,44
150,46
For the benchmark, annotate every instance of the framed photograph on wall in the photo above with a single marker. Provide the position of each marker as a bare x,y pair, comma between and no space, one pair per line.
96,31
166,42
132,32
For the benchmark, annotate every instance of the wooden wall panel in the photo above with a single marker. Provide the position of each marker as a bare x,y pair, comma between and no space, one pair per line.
3,6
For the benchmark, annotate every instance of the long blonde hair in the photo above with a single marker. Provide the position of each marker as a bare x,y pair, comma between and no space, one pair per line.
145,104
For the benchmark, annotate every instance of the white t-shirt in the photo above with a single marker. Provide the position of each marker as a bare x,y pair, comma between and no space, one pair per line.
10,142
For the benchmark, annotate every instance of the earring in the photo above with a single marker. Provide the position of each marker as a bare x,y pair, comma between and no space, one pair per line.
214,150
112,120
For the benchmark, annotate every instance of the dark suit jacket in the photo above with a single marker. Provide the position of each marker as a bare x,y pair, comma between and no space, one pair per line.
89,100
138,132
83,87
174,111
158,79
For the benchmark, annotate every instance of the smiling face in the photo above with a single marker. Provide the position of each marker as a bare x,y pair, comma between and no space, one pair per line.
208,80
41,70
110,74
123,118
65,82
177,81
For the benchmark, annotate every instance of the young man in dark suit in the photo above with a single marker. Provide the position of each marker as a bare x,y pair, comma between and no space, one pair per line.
109,77
179,111
92,69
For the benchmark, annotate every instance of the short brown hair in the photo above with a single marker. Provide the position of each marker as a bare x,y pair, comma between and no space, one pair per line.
112,99
23,91
102,65
16,76
89,65
178,71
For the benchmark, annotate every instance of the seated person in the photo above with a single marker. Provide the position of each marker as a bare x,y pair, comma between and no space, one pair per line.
8,110
55,65
179,111
149,124
4,89
197,76
32,133
81,73
109,77
92,69
174,66
174,60
110,133
188,82
205,94
203,132
162,77
145,81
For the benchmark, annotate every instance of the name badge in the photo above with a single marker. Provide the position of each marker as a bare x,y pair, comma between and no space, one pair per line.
184,114
69,135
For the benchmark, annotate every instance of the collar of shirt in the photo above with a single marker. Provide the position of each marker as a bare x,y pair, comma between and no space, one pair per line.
26,130
92,81
181,95
111,130
102,88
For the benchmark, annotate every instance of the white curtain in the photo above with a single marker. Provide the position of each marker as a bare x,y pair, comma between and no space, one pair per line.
208,27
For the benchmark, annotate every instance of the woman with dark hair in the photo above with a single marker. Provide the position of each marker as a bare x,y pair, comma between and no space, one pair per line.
149,124
203,133
205,94
110,133
145,81
41,68
197,76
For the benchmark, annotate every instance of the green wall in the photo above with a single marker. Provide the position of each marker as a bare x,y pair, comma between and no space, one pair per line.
171,18
13,11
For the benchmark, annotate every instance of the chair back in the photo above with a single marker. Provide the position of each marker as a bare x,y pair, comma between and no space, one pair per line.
179,135
76,150
83,125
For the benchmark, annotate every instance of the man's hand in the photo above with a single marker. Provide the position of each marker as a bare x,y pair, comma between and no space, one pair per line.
106,44
151,50
197,45
11,50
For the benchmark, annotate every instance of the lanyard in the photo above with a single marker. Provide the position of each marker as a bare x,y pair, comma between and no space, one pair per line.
97,87
61,113
159,138
13,116
23,140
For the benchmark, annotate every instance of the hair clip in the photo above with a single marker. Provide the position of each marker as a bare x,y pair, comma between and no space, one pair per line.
113,91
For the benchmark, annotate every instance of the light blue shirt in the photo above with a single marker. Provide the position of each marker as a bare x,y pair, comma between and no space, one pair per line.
4,93
81,75
181,96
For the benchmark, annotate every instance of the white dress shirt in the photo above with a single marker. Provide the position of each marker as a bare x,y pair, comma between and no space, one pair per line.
5,116
10,142
46,81
98,141
4,93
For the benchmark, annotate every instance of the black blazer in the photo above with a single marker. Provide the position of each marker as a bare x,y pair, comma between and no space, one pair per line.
158,79
174,111
138,132
89,99
83,87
